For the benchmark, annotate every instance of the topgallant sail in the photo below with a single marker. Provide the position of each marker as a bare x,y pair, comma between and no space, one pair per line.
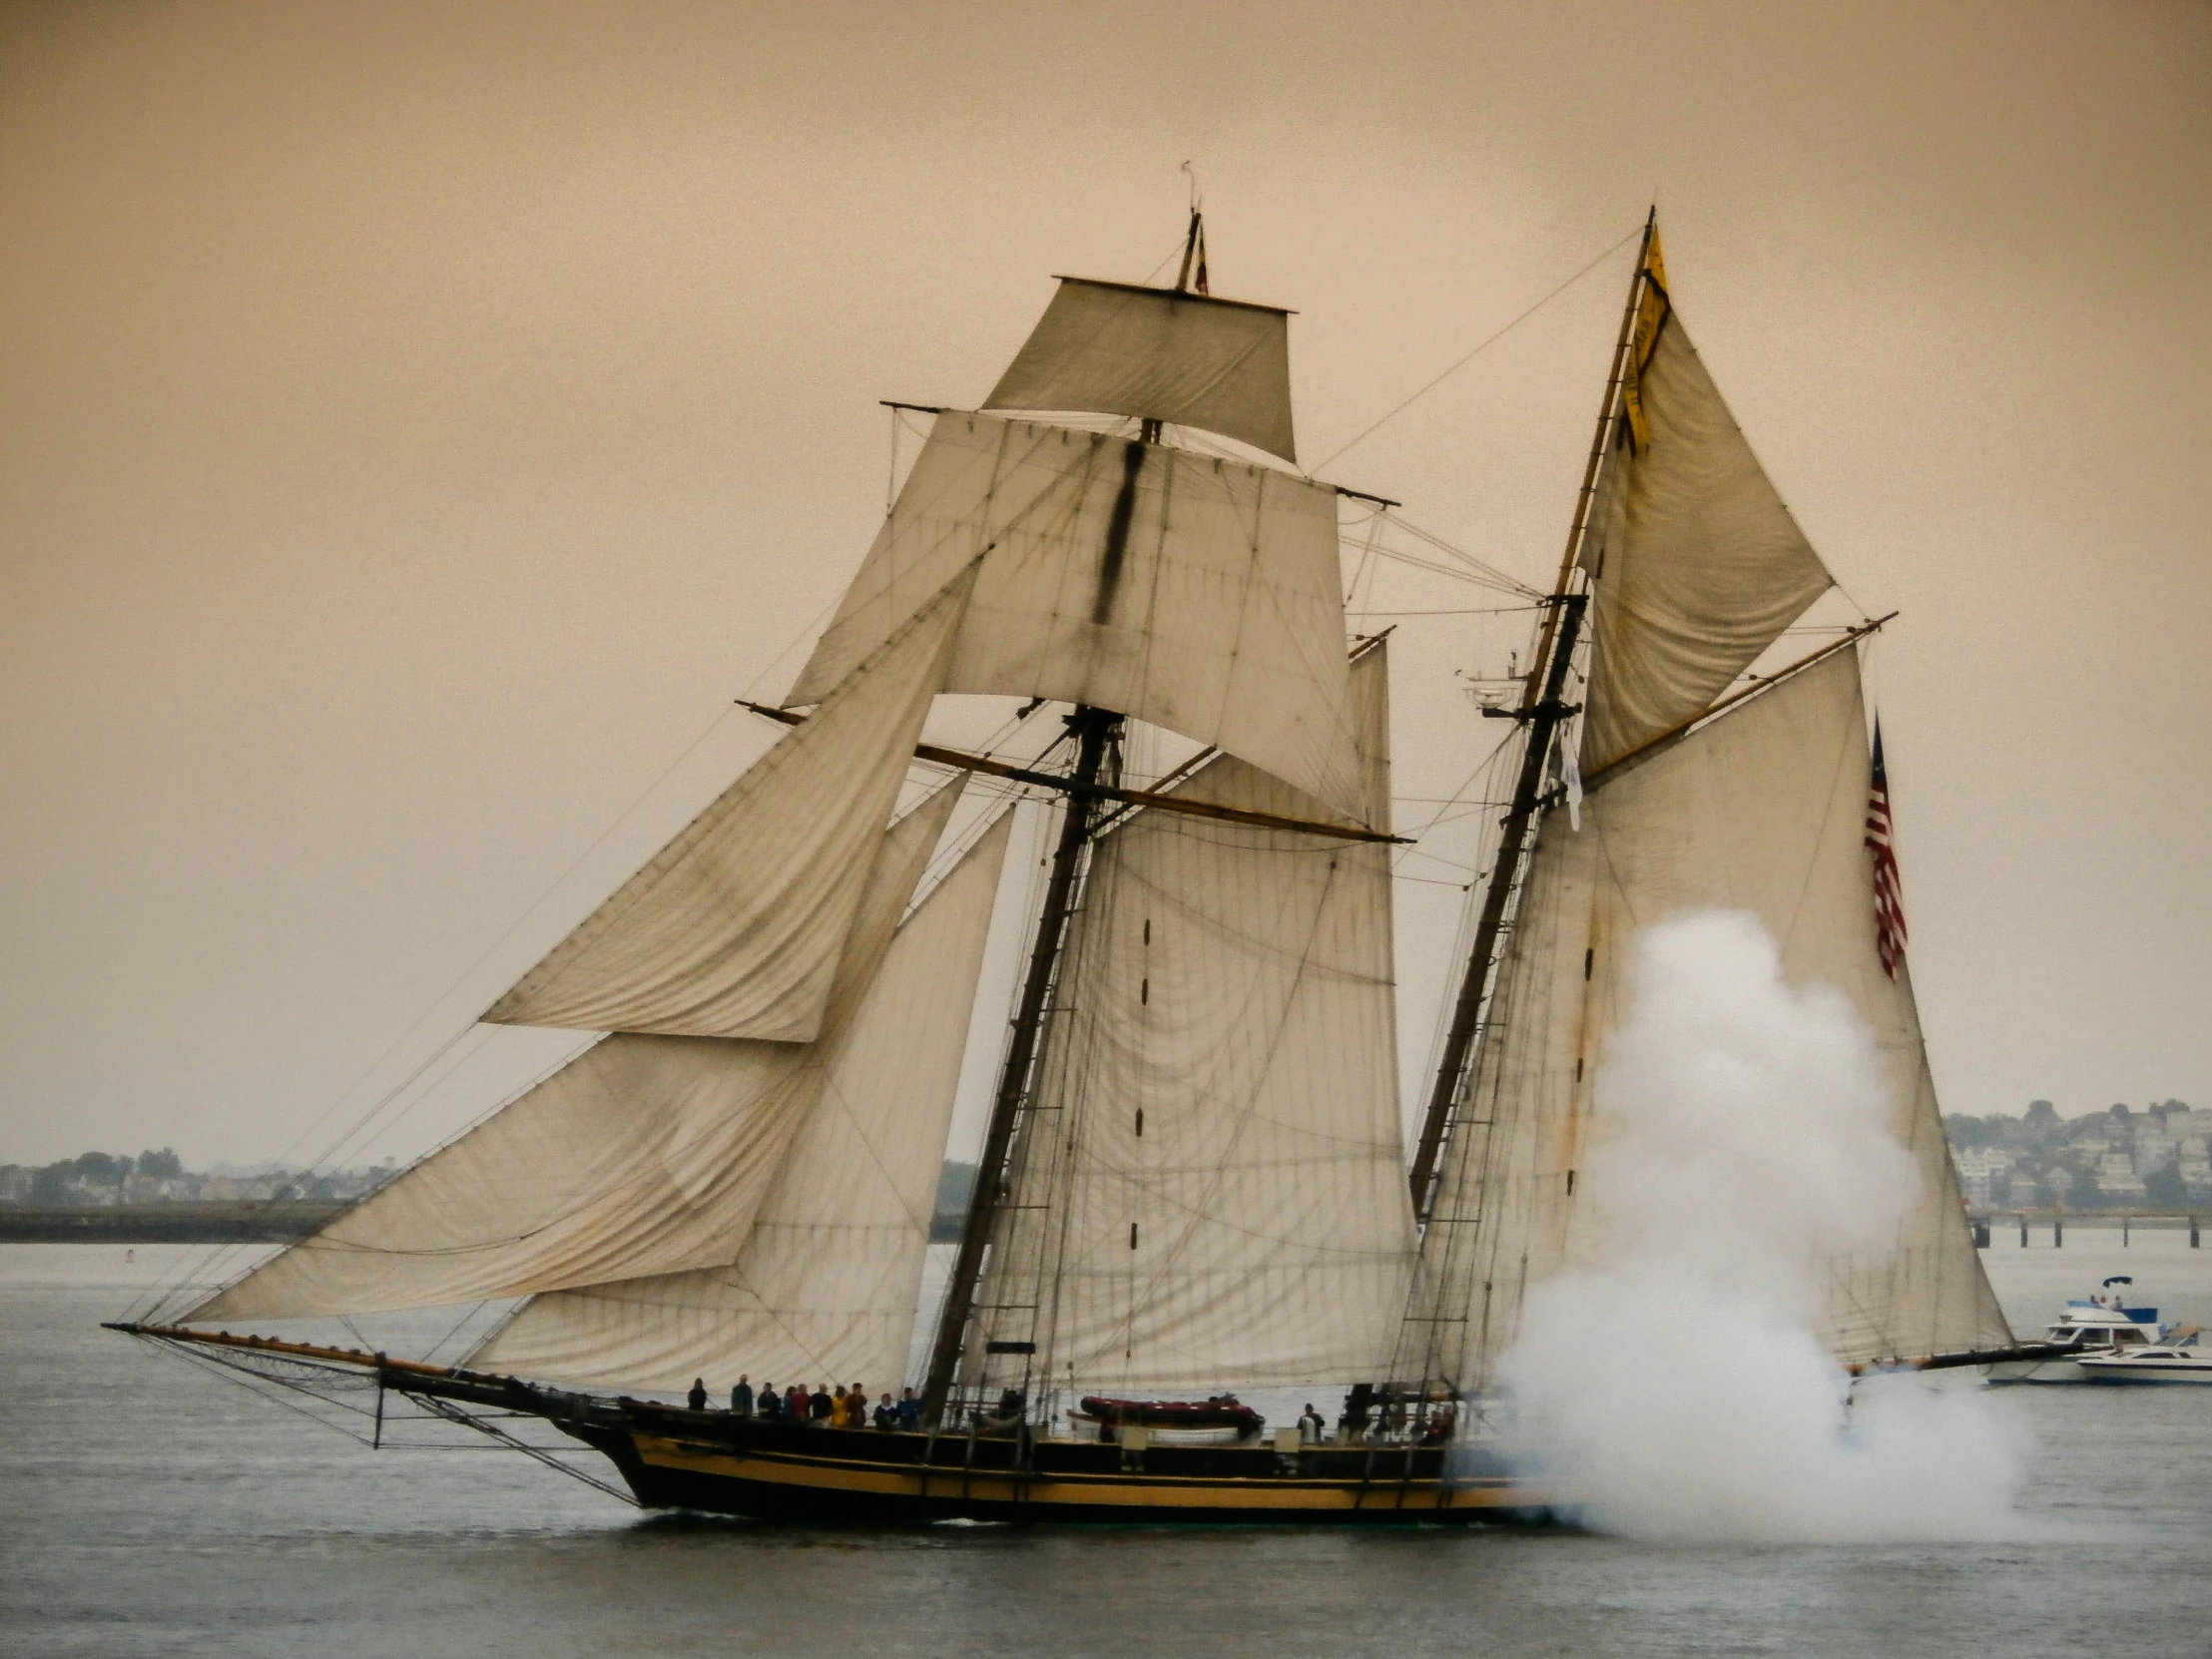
1193,1177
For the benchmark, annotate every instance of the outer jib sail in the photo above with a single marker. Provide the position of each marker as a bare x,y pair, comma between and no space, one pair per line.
740,1175
1693,567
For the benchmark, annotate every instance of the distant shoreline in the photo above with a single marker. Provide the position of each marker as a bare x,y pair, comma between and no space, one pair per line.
224,1221
266,1221
217,1222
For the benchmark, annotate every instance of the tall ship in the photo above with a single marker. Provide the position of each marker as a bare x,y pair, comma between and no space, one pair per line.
1196,1180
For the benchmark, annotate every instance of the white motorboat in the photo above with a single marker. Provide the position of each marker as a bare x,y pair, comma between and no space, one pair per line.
2176,1359
2087,1326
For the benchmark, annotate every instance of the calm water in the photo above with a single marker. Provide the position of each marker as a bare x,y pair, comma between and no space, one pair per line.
147,1507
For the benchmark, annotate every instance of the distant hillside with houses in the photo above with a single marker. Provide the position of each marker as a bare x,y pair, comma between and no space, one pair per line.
2121,1158
95,1180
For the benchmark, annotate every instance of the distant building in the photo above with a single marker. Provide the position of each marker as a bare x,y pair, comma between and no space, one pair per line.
1980,1170
2153,1147
2116,1177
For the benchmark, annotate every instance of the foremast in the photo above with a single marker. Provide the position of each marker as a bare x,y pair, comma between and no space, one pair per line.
1097,734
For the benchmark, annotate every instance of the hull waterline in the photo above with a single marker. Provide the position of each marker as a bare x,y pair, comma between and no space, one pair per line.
712,1463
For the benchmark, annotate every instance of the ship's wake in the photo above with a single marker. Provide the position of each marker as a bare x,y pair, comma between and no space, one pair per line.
1676,1390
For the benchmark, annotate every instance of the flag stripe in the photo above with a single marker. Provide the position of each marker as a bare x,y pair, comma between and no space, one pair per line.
1889,887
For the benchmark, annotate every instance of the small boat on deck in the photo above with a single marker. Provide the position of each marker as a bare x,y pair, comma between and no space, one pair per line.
1222,1420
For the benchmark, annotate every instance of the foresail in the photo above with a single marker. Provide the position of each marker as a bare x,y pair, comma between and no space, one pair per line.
1216,1196
644,1155
825,1285
1188,359
1198,594
1760,810
737,926
1696,565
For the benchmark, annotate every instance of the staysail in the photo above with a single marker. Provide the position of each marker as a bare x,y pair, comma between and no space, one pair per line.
736,928
1215,1196
1762,810
1198,594
1696,565
644,1155
825,1285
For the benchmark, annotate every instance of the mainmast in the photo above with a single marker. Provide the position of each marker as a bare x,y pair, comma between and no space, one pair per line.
1097,734
1543,713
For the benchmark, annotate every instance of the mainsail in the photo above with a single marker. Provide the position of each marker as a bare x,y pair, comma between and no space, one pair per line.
827,1282
644,1155
1211,1191
1761,811
1198,594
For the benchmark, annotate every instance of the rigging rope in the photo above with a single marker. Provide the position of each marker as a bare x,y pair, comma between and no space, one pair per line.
1401,406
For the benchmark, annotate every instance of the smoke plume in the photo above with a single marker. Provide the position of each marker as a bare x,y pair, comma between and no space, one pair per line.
1677,1391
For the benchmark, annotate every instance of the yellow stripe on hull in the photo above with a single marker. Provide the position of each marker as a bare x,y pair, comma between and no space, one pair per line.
1043,1494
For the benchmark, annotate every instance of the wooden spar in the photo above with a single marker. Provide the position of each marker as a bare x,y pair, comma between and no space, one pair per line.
295,1351
1768,683
1362,495
1190,249
1970,1356
1108,791
1540,713
1095,731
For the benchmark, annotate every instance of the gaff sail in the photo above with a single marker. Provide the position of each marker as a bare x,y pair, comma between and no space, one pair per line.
1694,564
1762,810
1213,1193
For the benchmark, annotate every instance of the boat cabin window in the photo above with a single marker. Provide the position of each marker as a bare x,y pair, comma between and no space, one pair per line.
2130,1338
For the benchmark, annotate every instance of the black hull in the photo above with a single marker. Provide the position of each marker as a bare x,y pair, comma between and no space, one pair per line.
715,1463
712,1464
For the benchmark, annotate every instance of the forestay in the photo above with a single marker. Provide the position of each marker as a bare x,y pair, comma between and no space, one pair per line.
644,1155
1696,565
1212,1193
825,1285
1760,810
1198,594
1161,354
737,926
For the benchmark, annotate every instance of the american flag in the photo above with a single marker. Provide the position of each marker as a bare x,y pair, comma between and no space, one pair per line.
1889,891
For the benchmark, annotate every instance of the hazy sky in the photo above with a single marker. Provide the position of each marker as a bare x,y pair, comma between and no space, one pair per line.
420,420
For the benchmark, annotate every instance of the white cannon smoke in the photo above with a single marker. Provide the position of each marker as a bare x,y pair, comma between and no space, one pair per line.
1677,1391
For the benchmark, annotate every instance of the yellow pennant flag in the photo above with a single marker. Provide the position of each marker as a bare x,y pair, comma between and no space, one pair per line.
1651,316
